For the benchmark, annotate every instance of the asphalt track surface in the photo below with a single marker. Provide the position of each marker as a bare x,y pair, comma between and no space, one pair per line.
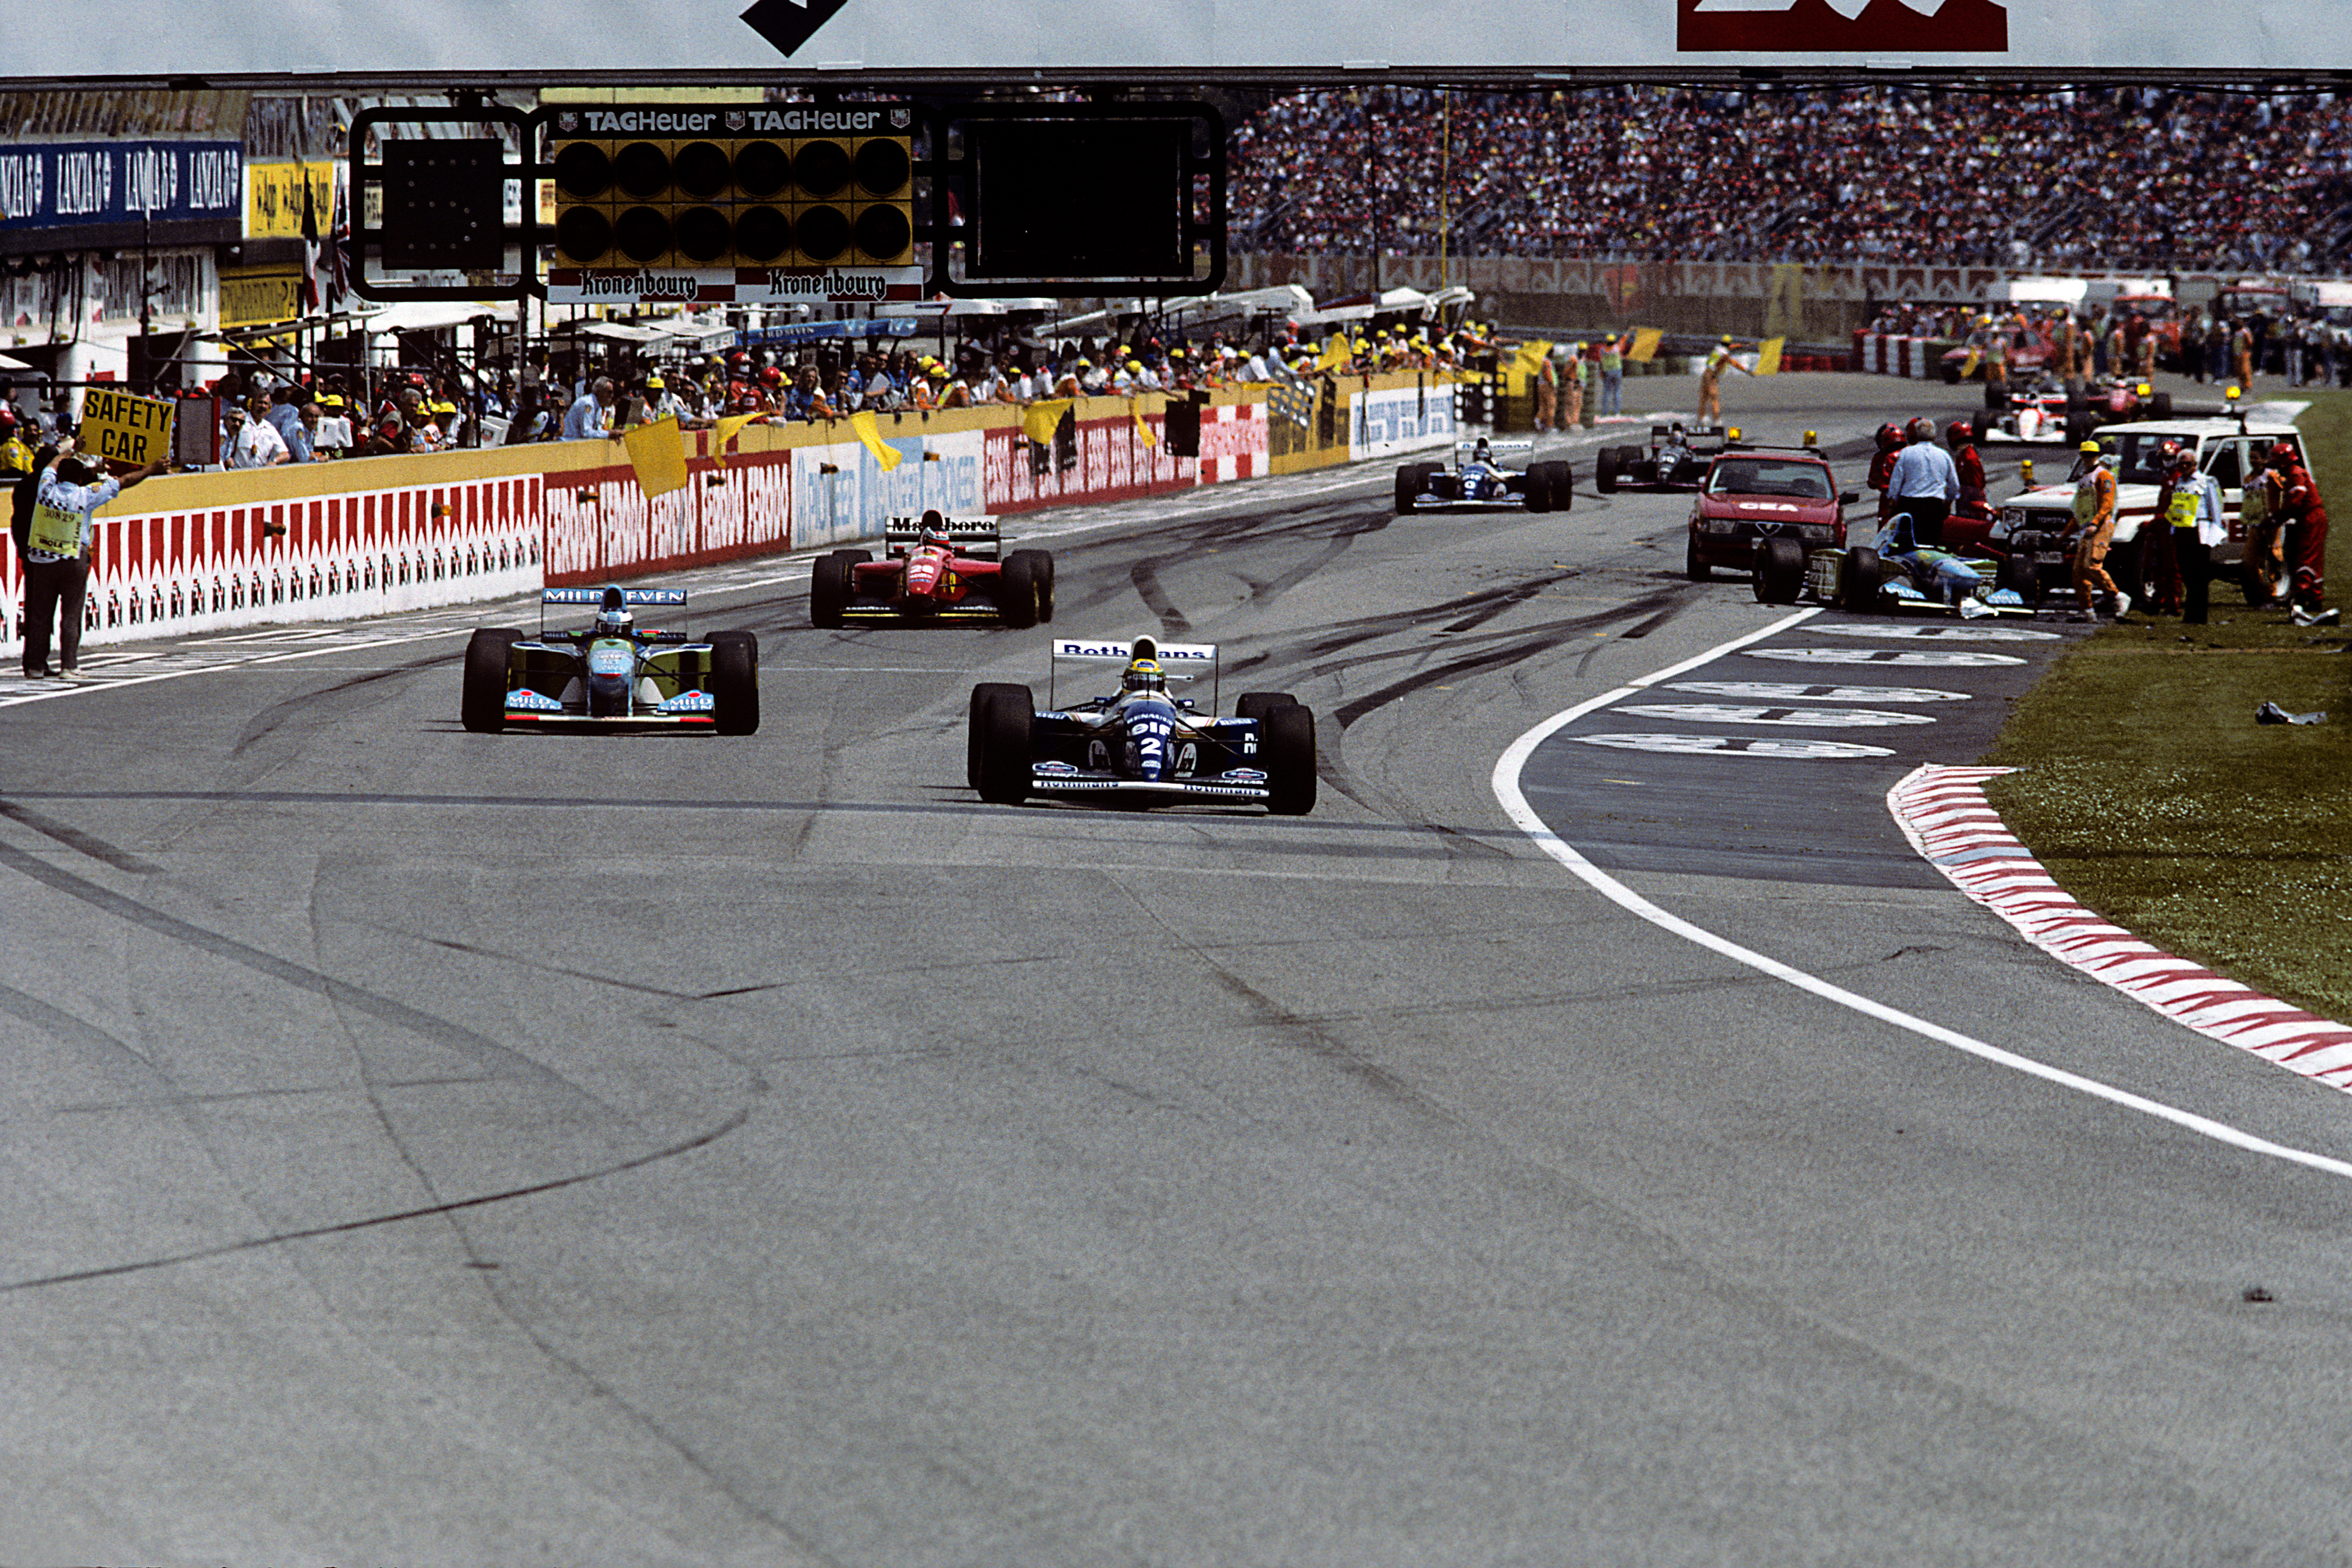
430,1148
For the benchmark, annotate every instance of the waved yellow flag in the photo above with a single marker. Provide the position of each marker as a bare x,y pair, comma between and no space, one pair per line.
1335,353
1151,437
658,452
1768,356
1530,357
1969,365
869,431
728,429
1038,421
1646,345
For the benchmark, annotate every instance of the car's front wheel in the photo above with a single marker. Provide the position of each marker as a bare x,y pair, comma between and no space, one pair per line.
1779,571
1006,724
1287,747
735,682
482,699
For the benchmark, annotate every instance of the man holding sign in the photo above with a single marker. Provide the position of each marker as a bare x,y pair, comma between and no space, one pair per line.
56,554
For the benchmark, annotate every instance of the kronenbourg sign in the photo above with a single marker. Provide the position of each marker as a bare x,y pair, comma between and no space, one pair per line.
2241,38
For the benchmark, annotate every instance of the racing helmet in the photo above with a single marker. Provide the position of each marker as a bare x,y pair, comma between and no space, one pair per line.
1675,432
612,617
1959,433
1482,453
1890,436
2284,455
1143,675
934,529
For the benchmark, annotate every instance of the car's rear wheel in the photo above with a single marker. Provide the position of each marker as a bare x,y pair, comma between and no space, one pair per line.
1044,584
1981,424
1535,489
482,699
2159,406
1285,745
1858,580
1408,486
1021,588
1779,571
1007,723
982,695
828,589
1563,497
1995,396
1695,566
735,682
1604,471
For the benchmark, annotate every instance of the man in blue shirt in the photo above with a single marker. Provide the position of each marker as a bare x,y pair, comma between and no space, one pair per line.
56,556
1924,483
586,419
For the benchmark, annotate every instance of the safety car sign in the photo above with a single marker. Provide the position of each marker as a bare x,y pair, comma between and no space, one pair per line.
123,427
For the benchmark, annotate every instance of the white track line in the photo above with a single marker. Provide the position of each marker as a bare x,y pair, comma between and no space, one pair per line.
1506,784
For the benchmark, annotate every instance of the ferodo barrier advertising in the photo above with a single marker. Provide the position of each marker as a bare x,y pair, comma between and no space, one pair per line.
125,428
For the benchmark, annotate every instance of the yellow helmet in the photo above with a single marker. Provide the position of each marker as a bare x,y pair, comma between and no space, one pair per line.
1144,675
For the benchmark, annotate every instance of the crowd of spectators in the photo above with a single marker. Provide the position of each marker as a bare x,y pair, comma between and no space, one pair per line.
275,416
2128,179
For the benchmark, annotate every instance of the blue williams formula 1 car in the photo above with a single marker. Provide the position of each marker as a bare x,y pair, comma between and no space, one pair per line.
1480,477
613,672
1142,746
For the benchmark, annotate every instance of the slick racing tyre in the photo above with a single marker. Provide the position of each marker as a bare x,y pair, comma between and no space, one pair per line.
1286,750
1695,566
1044,584
1981,424
1016,589
829,578
1604,471
1005,723
1858,580
1258,704
1779,571
1563,495
982,695
735,682
1411,483
482,699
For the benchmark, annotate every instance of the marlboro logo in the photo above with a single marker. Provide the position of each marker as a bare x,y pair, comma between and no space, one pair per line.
1882,28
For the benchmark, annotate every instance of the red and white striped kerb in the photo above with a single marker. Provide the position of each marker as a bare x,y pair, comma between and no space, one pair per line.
1944,813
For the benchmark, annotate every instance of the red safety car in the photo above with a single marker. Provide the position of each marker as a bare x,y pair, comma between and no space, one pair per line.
1763,510
933,568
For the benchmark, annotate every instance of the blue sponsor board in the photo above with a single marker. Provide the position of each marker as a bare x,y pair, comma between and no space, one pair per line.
74,184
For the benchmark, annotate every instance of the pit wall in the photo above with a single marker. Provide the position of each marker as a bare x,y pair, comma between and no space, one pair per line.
197,553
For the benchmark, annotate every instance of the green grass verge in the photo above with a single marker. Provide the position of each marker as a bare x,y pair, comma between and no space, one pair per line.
2148,789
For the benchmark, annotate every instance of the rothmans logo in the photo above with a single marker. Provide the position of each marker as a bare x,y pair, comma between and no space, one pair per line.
1841,26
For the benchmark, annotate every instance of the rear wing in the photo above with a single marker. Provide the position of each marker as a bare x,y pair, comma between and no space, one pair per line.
1499,448
978,537
1182,661
592,597
1699,437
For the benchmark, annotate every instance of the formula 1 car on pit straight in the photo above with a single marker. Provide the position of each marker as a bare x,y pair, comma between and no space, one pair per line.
933,568
2045,414
1479,479
1140,746
1676,459
611,673
1863,581
1758,505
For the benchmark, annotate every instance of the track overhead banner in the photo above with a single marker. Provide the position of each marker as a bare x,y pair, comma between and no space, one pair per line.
2240,39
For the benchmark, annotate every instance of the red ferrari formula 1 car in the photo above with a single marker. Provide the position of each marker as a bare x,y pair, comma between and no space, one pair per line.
934,568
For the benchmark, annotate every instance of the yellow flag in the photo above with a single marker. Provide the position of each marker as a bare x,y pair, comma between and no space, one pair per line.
1335,353
728,429
1969,366
1151,438
870,432
657,451
1646,345
1768,356
1530,357
1037,423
